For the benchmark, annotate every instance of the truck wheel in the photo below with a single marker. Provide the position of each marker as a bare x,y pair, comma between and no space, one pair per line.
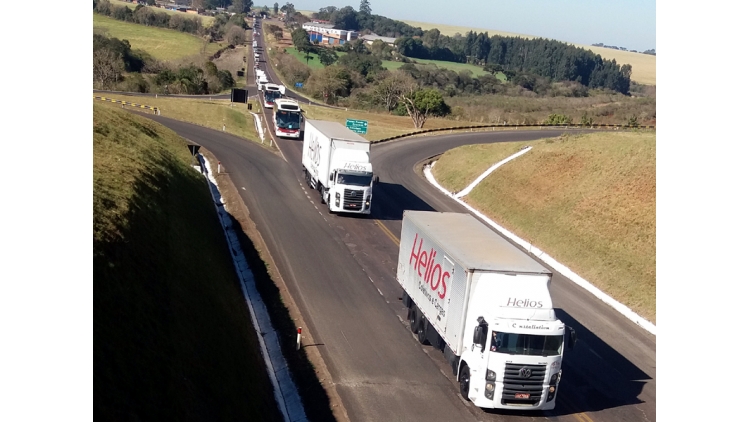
422,331
463,381
322,196
413,321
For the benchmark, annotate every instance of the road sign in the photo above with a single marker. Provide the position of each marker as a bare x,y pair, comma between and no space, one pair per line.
298,85
357,126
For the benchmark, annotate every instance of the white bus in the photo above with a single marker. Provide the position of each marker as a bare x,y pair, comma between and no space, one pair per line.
287,117
271,93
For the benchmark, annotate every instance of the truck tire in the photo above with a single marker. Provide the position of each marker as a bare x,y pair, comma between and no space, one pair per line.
322,195
422,331
463,381
413,320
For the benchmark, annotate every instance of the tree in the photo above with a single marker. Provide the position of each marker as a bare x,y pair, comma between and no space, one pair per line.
290,12
345,18
326,56
235,35
242,6
421,103
325,83
364,7
390,86
301,40
108,67
276,8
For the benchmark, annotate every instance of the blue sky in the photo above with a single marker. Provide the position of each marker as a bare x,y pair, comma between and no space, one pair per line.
630,24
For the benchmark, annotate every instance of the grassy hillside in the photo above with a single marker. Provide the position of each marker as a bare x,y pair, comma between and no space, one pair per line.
160,43
476,71
173,337
644,65
205,20
589,201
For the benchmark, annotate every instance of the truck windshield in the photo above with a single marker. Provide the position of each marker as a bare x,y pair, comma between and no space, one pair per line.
525,344
354,179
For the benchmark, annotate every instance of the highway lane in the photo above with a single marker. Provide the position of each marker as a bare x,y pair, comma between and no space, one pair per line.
609,375
377,368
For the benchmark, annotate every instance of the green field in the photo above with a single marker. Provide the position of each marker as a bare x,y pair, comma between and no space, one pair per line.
476,71
214,114
589,201
174,339
160,43
205,20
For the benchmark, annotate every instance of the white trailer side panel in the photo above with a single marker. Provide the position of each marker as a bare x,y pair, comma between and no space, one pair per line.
435,282
316,153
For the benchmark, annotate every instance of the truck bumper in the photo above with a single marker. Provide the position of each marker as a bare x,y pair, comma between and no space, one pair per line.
480,400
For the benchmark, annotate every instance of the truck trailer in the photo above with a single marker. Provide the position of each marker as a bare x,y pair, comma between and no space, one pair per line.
336,163
486,305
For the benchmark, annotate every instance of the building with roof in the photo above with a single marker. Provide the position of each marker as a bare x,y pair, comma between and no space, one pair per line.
326,34
370,38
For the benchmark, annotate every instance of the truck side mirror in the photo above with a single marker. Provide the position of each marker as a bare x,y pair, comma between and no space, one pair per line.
480,333
330,177
376,180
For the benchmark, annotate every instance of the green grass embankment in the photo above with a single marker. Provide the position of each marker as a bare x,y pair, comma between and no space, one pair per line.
173,336
160,43
589,201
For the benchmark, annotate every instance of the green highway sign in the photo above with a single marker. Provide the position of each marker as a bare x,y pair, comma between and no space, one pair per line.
357,126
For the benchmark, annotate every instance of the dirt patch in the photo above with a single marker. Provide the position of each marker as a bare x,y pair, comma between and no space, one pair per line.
267,268
232,60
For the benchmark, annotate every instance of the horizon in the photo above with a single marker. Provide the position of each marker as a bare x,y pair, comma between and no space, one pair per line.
634,27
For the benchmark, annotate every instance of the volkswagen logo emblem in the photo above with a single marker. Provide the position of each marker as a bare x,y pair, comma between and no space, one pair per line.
524,372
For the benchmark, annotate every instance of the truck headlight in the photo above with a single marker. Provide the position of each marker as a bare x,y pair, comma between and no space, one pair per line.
489,390
554,378
338,199
491,376
367,202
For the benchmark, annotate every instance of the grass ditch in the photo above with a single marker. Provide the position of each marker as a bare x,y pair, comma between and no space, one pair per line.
587,200
213,114
174,338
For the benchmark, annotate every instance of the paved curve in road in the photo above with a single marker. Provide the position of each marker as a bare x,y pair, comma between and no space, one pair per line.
341,271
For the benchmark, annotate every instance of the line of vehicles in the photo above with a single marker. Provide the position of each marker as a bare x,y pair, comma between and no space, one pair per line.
470,293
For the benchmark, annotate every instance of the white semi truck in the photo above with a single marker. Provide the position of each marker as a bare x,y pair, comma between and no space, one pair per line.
336,163
486,305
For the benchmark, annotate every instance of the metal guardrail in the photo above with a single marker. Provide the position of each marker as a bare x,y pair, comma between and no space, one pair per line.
128,103
540,126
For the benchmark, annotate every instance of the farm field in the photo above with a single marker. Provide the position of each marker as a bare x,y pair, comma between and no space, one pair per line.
477,71
160,43
205,20
589,201
644,65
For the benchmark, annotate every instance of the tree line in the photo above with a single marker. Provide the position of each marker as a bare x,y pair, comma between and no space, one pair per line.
551,59
116,64
220,28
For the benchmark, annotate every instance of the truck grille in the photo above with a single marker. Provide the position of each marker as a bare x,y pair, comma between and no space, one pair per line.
514,384
353,199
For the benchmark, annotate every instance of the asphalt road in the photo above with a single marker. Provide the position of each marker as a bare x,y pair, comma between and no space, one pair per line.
341,272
